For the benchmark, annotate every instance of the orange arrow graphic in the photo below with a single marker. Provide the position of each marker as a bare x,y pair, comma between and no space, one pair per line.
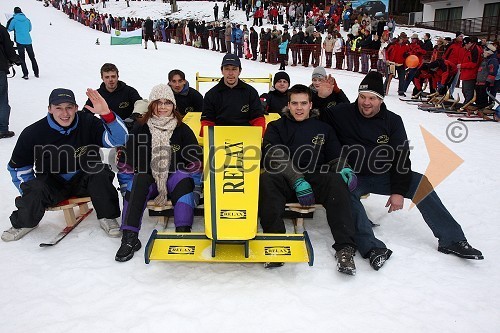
442,163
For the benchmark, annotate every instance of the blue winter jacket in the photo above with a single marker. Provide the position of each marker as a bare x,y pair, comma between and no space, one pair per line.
22,27
282,47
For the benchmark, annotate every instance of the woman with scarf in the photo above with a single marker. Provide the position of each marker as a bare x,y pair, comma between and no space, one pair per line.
165,157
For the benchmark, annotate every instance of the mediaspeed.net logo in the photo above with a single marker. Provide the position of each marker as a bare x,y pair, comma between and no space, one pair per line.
442,160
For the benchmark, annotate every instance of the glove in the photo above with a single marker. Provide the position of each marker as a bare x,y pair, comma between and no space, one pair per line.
406,54
349,178
304,192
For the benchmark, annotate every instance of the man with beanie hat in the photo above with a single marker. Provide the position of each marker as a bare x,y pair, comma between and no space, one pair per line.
377,145
306,171
232,102
21,26
325,90
63,149
276,99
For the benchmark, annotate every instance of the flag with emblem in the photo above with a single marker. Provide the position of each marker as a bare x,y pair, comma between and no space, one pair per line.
126,37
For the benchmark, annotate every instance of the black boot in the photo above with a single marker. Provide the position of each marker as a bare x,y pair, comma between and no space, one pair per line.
130,244
183,229
378,257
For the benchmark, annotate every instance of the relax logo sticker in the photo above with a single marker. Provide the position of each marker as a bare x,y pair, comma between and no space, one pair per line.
181,249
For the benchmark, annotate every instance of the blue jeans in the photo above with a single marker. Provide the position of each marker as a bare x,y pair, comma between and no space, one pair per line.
443,225
29,49
4,102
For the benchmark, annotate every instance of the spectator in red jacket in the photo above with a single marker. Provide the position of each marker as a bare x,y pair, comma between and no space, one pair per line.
443,73
399,51
417,50
455,51
469,65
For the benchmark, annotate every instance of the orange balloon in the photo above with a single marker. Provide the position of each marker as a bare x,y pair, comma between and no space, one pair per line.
412,61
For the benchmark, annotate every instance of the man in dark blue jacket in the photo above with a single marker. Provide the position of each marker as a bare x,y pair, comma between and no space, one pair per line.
58,157
21,26
299,152
376,145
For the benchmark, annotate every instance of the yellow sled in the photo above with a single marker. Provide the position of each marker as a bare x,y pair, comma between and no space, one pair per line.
231,182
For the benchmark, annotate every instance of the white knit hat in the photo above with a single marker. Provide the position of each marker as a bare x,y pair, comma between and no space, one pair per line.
162,91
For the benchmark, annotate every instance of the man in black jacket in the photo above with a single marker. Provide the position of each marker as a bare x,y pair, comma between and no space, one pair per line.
7,56
232,102
187,98
58,157
299,152
119,96
149,33
377,148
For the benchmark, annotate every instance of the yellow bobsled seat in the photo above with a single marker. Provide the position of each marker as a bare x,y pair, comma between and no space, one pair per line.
231,193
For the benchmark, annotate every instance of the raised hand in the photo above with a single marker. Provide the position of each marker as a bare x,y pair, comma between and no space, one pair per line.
100,106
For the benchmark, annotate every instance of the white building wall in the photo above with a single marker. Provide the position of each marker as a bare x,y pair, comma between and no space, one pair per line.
471,8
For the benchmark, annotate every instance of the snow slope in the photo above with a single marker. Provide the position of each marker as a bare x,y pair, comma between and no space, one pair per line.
77,286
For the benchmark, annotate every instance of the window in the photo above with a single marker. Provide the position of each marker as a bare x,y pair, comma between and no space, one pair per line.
448,18
491,16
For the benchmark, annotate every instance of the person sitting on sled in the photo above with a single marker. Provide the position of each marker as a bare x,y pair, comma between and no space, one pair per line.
58,157
300,156
165,156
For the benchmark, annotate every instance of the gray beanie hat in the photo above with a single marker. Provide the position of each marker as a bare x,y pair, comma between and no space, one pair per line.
162,91
319,72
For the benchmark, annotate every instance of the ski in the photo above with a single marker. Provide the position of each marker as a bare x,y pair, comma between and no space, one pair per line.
66,230
477,119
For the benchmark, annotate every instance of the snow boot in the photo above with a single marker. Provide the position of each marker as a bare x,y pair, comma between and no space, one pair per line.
461,249
345,260
183,229
130,244
378,257
111,227
13,234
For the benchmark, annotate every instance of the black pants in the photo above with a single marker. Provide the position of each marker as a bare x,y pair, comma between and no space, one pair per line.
48,190
29,49
329,190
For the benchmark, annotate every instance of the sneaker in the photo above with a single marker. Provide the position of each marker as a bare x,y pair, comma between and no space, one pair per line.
402,94
183,229
111,227
271,265
130,244
25,77
37,75
461,249
378,257
6,134
13,234
345,260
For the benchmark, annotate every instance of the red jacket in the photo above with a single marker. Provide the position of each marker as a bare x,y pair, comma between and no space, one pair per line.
470,63
417,50
454,53
444,74
398,53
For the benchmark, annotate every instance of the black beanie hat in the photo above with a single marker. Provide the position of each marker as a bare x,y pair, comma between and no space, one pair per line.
281,75
17,10
373,83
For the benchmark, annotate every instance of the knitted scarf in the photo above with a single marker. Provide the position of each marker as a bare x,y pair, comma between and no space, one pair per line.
161,129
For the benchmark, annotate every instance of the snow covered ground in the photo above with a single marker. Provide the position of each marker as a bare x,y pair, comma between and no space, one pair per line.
78,287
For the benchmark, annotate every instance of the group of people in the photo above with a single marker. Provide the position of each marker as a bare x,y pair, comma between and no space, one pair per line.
323,149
